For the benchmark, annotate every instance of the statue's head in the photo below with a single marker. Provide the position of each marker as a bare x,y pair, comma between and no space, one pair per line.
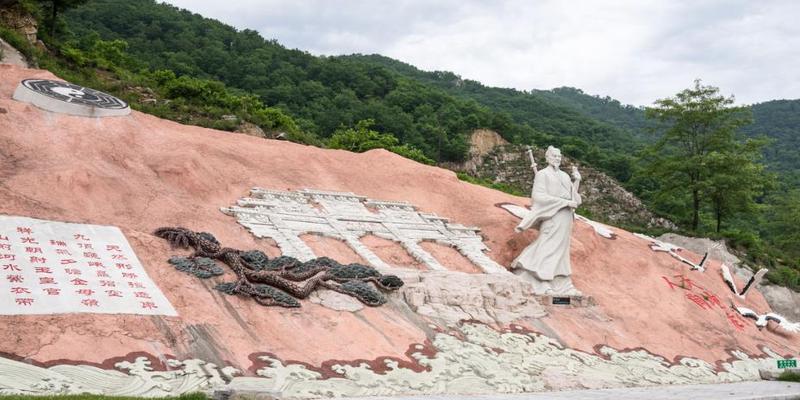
553,156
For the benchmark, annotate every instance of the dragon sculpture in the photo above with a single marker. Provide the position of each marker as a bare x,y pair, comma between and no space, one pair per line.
279,281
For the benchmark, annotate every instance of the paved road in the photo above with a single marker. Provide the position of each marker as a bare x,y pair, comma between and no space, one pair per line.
760,390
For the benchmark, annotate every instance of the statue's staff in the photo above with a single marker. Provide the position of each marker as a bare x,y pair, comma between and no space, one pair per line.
575,184
533,166
533,162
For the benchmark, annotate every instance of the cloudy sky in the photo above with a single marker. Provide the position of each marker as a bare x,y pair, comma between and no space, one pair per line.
635,51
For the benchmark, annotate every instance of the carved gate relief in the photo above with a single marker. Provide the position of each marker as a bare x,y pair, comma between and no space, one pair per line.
285,216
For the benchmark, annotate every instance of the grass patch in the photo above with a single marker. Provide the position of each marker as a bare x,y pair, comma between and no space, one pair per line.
789,376
188,396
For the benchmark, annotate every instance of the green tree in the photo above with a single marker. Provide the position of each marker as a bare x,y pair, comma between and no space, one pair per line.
782,216
362,138
698,124
53,8
736,178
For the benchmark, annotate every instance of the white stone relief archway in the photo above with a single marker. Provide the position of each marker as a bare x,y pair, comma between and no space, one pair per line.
284,216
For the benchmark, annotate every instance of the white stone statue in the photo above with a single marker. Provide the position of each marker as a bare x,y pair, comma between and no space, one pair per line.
554,199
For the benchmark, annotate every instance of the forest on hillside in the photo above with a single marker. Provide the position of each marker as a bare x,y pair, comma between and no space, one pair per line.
183,66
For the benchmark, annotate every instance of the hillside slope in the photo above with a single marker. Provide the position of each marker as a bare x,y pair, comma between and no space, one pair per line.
654,320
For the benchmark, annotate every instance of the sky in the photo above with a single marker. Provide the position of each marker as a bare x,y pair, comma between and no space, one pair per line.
635,51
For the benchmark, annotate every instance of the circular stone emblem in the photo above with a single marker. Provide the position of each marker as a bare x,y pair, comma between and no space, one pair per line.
67,98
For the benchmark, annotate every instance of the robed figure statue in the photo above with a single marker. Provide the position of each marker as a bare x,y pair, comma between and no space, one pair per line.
554,199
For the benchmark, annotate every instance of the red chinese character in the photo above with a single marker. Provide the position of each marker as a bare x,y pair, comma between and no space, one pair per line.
46,280
72,271
29,240
4,238
79,282
85,292
11,257
124,266
102,274
141,295
52,291
43,270
20,290
85,246
63,252
24,302
39,260
11,267
735,320
89,254
129,275
68,261
90,303
136,285
24,229
58,243
672,285
699,300
149,305
15,278
110,247
33,250
713,300
113,293
107,283
96,264
79,236
118,257
4,246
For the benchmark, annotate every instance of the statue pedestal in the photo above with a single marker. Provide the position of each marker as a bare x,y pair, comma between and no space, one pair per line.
565,301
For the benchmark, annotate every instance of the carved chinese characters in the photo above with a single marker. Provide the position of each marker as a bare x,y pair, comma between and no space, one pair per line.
53,267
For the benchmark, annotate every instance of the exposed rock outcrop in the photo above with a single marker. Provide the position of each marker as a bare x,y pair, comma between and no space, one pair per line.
492,157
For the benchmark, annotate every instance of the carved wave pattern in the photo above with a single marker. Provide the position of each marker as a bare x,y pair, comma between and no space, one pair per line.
473,358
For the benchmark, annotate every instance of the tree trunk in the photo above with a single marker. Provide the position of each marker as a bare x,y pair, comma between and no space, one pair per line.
695,209
719,218
53,14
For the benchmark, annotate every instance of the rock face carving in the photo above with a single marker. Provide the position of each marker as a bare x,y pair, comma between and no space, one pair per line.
473,358
276,282
139,379
68,98
452,297
554,200
284,216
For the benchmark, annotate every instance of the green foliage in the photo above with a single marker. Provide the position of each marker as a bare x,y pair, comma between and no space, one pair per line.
782,216
785,276
780,121
535,117
789,376
490,184
362,138
698,156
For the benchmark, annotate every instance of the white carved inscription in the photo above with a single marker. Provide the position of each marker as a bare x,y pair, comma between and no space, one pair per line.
284,216
51,267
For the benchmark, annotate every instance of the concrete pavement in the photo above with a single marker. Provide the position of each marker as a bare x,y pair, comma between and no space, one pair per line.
761,390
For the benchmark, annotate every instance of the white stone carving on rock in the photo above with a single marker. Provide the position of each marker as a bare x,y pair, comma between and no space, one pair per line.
488,361
52,267
473,358
140,380
452,297
284,216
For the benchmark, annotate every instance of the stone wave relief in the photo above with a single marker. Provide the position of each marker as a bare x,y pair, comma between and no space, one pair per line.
473,358
466,353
